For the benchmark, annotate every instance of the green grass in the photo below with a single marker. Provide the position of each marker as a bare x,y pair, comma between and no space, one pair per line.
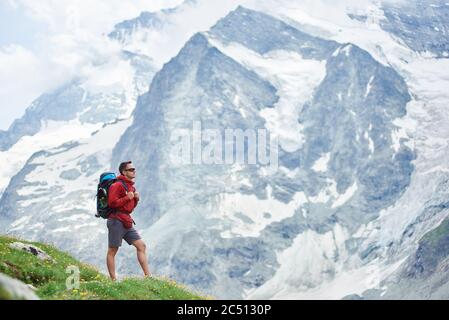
50,278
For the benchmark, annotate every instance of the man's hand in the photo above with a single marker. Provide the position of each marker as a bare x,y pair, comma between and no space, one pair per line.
136,195
130,195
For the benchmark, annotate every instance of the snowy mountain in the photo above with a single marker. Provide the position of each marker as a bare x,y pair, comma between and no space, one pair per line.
161,34
104,93
239,219
137,30
101,99
357,205
74,125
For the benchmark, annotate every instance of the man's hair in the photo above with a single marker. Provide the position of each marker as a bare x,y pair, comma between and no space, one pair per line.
123,165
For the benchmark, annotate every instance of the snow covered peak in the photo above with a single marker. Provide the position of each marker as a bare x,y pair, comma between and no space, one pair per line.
100,94
263,33
144,33
146,20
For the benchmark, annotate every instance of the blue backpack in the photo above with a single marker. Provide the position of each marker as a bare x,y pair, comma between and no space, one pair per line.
106,181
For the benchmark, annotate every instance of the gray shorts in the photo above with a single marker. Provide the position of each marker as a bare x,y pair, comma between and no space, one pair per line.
117,232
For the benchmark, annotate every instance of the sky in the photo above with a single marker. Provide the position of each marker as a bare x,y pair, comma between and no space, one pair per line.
42,43
45,43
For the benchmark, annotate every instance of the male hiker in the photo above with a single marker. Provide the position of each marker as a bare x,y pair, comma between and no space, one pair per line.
120,223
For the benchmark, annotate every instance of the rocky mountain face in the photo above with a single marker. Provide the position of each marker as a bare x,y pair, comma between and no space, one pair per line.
355,204
347,120
421,24
75,110
76,100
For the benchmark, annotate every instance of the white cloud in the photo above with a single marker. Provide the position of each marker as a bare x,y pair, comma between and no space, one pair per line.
96,16
23,77
75,40
73,44
189,19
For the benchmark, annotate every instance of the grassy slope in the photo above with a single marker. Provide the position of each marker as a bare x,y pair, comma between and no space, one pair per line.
50,278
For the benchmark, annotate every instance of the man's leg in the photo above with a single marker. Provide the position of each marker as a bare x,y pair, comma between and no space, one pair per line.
142,256
110,262
115,235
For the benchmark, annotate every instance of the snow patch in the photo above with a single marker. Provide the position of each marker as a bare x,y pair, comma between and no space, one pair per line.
343,198
347,50
306,264
327,193
369,86
21,222
318,266
52,134
321,164
101,144
232,206
370,141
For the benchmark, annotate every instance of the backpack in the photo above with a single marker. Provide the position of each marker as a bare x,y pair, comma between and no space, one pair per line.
106,181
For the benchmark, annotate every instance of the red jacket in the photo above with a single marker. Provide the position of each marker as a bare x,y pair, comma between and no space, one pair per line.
117,199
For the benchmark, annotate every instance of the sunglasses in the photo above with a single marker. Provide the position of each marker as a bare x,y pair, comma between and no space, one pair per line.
131,169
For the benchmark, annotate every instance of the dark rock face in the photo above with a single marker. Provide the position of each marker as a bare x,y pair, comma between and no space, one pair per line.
432,253
423,24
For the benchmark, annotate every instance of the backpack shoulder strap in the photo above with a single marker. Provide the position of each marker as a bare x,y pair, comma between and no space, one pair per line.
124,185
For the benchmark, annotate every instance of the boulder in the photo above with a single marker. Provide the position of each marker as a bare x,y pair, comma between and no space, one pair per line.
31,249
13,289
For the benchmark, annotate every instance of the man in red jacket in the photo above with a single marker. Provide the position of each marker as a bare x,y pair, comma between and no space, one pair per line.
120,223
